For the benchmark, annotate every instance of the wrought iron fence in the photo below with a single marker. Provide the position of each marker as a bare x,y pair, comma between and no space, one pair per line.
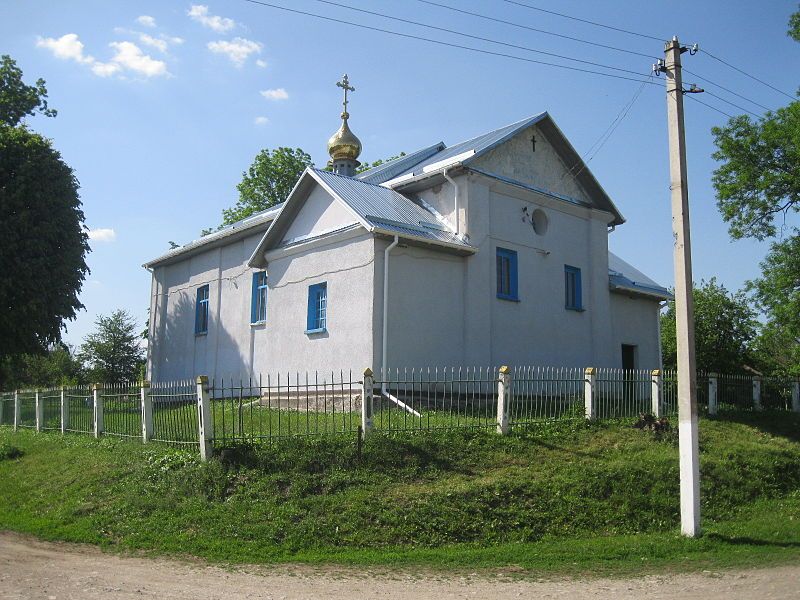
776,393
174,412
284,405
122,409
434,399
6,408
50,400
545,393
734,392
623,393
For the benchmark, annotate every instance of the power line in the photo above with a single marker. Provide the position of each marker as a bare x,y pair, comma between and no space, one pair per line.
685,70
529,28
692,96
443,43
595,23
476,37
731,103
753,77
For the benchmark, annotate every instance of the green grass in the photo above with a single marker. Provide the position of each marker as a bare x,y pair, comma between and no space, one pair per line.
563,498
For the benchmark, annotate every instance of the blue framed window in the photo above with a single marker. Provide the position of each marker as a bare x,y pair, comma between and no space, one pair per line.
572,288
201,311
258,304
507,274
317,308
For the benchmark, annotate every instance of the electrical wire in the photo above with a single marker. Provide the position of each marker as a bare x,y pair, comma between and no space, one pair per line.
442,43
476,37
595,23
706,79
692,96
713,95
537,30
753,77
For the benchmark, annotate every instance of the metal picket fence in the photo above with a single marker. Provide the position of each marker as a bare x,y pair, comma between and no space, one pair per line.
223,412
545,393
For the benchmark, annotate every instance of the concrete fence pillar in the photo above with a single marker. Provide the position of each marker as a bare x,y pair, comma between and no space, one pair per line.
147,412
39,411
590,383
757,393
64,410
713,387
97,397
367,397
16,410
796,395
504,384
656,381
205,425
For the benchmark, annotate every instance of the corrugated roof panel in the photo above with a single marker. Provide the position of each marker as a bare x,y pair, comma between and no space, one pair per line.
389,170
624,275
480,144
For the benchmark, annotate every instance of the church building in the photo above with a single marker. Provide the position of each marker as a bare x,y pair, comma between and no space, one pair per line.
493,251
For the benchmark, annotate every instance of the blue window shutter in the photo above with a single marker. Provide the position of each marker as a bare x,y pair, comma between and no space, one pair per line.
312,303
513,275
578,293
254,300
197,308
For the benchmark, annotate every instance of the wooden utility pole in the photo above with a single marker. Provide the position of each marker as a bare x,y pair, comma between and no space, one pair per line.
684,302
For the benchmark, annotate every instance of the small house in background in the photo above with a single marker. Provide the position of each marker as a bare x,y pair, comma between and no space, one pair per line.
491,251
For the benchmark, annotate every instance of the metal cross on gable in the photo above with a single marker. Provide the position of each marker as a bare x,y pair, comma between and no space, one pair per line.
345,85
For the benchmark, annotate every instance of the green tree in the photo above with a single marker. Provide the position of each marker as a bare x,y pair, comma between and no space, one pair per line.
18,100
757,181
43,241
725,329
58,365
267,182
112,353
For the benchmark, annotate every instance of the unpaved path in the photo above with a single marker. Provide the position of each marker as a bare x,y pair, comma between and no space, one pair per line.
34,569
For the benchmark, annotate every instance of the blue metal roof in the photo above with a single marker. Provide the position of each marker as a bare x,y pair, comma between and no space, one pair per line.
390,170
625,277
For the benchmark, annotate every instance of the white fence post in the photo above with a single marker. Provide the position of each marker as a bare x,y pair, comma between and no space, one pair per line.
713,386
796,395
205,425
39,411
590,383
97,397
367,397
64,410
503,400
655,392
16,410
757,393
147,412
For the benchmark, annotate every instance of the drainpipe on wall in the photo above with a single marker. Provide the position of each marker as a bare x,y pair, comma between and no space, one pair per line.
385,373
457,198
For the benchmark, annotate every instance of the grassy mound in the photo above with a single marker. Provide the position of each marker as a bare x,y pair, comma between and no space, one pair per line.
583,492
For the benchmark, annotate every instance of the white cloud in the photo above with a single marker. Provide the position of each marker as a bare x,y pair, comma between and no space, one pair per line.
172,39
261,63
102,235
146,20
276,94
238,49
156,43
261,121
105,69
199,13
67,47
130,56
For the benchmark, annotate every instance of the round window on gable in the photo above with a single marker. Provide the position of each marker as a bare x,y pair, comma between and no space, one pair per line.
539,221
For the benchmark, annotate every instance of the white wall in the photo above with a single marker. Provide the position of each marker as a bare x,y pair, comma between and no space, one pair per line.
634,322
320,213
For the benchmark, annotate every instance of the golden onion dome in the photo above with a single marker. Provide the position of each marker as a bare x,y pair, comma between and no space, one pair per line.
344,145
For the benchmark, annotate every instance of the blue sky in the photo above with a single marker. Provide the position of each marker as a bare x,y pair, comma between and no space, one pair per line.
163,104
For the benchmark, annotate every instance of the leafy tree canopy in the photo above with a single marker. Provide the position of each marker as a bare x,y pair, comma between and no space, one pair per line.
725,328
267,182
18,100
112,353
57,366
42,241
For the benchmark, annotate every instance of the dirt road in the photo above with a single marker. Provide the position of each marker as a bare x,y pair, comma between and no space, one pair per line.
33,569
